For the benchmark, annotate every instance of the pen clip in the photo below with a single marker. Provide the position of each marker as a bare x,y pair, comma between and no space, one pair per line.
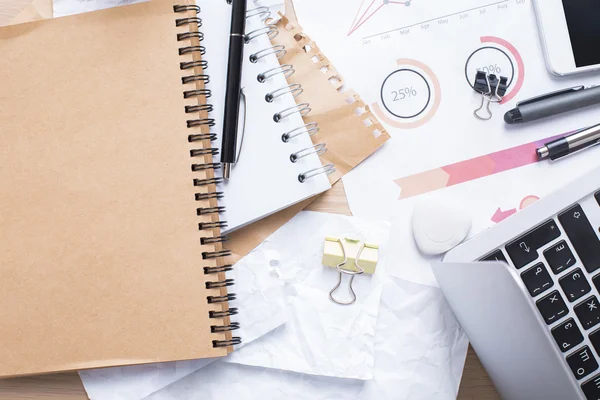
241,138
549,95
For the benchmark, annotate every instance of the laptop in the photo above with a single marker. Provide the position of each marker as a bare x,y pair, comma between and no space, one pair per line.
527,294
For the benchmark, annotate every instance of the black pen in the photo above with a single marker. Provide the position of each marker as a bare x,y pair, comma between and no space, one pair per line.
576,141
554,103
234,86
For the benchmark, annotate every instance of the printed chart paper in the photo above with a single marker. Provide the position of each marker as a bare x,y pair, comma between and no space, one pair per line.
414,63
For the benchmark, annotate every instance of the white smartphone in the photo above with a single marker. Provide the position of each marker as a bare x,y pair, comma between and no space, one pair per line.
570,34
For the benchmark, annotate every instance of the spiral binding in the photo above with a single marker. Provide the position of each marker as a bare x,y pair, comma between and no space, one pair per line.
325,169
310,128
216,239
192,49
220,284
204,94
278,50
193,78
192,64
223,314
202,136
216,270
220,299
199,108
294,89
287,70
317,149
270,30
262,12
197,93
206,182
210,210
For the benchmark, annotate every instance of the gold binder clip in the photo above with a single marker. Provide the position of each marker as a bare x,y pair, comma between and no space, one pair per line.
359,270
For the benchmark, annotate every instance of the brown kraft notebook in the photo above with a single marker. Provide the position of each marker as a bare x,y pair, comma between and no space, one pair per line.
110,249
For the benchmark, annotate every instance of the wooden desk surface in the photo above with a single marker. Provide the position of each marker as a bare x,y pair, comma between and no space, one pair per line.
475,383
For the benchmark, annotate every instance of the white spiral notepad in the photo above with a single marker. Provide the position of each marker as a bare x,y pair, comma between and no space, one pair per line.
271,173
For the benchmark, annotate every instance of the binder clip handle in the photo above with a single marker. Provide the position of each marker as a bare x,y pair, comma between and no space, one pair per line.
483,112
344,271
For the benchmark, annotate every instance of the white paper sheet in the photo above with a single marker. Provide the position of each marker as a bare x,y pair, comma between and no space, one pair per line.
241,382
433,60
321,337
420,353
260,302
488,201
378,187
420,348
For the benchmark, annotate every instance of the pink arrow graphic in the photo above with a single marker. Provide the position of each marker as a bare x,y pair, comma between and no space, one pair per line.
500,215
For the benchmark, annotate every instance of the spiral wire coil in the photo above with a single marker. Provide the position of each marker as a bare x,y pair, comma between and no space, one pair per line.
303,109
204,166
295,90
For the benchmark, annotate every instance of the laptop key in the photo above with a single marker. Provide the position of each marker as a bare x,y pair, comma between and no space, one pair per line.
495,256
523,250
537,279
588,312
567,335
596,281
598,198
575,285
582,236
552,307
591,388
582,362
559,257
595,339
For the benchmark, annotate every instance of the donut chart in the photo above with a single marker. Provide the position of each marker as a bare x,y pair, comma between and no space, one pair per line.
409,96
499,57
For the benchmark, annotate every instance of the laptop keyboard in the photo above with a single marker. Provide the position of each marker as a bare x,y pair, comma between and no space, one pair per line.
559,263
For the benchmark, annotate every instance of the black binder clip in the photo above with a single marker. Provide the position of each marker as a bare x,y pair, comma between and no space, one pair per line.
492,89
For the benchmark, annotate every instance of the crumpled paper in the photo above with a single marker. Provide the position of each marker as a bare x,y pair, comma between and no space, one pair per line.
420,348
419,354
260,302
321,337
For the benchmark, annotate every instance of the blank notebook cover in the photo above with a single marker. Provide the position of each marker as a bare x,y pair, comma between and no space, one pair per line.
101,257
